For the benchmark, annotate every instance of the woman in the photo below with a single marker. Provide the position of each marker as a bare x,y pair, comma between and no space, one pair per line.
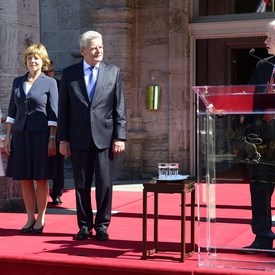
30,138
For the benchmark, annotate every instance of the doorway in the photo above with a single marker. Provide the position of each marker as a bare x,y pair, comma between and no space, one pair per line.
243,64
226,61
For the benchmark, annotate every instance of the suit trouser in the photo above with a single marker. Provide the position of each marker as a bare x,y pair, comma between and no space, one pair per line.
262,187
86,163
261,190
58,183
262,182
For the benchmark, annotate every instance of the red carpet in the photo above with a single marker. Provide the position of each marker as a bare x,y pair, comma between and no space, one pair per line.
55,252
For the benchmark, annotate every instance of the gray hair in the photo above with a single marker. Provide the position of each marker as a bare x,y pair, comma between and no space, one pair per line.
87,36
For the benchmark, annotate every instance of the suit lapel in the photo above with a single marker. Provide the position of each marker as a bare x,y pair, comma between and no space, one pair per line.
100,77
81,81
38,80
33,89
21,85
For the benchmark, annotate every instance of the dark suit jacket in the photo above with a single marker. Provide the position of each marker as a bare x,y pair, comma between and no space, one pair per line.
80,121
262,72
262,75
35,109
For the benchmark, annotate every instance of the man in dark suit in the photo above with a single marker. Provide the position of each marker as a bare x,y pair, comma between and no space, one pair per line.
58,182
92,129
263,175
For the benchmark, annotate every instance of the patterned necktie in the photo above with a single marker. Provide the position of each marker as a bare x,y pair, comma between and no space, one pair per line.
269,117
92,82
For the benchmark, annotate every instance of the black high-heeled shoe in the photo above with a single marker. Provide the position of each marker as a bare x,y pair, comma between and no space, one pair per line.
38,230
25,230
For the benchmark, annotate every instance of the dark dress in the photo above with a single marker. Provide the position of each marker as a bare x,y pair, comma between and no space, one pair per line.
30,133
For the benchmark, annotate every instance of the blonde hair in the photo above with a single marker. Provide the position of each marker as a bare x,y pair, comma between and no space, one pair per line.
41,51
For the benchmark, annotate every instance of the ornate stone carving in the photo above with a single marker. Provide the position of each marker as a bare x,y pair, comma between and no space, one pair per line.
176,19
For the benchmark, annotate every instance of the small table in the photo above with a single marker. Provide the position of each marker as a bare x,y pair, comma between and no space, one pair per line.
186,186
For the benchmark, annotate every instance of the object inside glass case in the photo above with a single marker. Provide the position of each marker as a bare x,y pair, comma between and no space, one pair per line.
235,155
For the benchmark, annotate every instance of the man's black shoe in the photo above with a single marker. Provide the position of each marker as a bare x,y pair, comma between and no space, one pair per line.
260,243
101,234
56,199
83,234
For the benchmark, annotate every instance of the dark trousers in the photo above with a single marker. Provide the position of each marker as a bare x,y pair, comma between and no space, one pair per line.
261,206
85,164
58,183
263,180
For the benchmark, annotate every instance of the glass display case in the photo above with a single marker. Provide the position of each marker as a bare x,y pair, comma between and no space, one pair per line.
235,152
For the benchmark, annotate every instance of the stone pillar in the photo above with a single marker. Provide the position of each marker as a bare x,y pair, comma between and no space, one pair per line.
116,22
19,27
179,87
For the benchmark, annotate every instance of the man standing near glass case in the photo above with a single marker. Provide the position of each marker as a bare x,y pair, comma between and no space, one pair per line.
263,174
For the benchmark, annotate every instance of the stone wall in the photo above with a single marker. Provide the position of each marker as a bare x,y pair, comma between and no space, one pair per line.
19,27
149,41
164,59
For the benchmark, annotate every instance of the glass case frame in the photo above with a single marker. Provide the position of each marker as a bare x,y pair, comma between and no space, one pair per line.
226,114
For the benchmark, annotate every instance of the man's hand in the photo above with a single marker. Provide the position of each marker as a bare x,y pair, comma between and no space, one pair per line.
118,146
64,148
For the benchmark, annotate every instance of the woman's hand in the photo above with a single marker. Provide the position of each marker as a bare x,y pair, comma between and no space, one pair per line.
7,146
51,147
